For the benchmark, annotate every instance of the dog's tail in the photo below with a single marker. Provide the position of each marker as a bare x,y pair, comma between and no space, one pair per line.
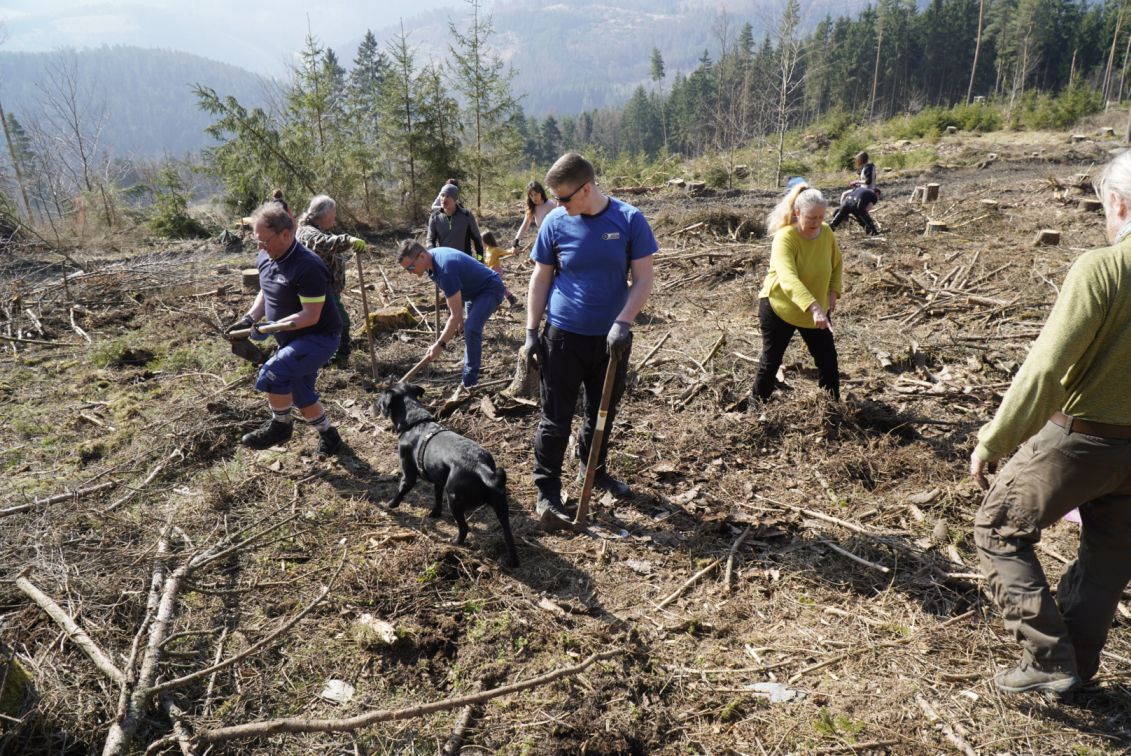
495,478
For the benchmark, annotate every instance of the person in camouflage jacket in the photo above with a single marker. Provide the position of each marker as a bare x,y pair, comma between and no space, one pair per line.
313,227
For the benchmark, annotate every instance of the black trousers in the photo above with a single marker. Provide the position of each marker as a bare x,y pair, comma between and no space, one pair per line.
570,361
852,207
776,335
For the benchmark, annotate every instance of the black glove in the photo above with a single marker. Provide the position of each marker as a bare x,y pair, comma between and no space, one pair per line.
619,339
531,347
241,324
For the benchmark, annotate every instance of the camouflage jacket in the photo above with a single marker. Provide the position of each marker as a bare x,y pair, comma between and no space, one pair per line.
332,248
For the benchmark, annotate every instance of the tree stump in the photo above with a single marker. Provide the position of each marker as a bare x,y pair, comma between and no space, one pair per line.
990,204
1091,205
932,193
1078,138
250,279
388,319
742,171
678,183
952,129
934,228
918,194
696,187
1107,132
1047,237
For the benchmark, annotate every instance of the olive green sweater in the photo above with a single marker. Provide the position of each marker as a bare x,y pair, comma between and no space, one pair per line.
1081,360
802,271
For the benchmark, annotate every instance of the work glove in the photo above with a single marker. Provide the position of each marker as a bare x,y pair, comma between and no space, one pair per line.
619,339
531,347
256,334
358,244
241,324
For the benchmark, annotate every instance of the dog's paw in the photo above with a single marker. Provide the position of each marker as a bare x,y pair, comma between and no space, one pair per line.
392,504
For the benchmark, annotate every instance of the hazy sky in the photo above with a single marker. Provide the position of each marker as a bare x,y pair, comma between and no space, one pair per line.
260,36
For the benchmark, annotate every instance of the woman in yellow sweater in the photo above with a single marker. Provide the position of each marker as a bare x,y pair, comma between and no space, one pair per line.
801,289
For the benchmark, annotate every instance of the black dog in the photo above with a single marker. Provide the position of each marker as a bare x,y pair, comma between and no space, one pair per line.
456,466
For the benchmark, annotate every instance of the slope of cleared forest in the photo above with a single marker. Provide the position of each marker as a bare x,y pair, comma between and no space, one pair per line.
799,582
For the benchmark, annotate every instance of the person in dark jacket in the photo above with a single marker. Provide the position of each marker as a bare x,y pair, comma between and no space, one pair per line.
858,203
453,225
867,171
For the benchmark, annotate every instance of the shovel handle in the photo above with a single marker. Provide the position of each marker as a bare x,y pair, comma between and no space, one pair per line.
415,369
243,333
581,519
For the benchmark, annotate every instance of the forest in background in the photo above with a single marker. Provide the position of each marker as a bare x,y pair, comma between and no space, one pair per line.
381,131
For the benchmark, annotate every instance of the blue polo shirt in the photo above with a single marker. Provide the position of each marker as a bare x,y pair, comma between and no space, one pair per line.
592,254
454,270
298,276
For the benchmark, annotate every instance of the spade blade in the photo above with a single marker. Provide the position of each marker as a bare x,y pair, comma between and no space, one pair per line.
244,349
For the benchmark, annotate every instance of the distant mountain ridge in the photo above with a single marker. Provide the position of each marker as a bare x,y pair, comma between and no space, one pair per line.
146,94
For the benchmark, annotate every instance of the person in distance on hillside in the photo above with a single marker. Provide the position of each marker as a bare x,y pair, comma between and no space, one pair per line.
293,288
801,290
453,225
867,171
584,251
858,203
538,206
1068,410
474,292
313,233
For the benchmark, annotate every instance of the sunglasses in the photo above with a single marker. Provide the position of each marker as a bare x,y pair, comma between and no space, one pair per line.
564,199
412,263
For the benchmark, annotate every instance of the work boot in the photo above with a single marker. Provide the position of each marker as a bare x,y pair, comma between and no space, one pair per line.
551,514
1025,677
606,482
329,441
269,434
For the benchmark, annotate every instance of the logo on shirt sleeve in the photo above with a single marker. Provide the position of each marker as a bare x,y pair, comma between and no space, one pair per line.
611,236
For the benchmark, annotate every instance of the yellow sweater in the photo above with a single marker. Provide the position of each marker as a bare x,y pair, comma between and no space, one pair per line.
1080,361
802,271
492,255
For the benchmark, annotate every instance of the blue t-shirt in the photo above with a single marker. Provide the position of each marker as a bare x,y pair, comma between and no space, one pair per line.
296,277
454,270
592,254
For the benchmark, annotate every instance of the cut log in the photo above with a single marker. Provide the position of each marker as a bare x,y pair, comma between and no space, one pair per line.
1047,237
934,227
250,279
1091,205
932,193
388,319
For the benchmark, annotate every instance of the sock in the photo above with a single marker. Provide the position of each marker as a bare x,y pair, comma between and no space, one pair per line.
321,423
281,415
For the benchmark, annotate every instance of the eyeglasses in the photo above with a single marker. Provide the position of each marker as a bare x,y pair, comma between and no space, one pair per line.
263,242
564,200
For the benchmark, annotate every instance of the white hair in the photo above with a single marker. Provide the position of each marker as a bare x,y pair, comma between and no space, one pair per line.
1115,177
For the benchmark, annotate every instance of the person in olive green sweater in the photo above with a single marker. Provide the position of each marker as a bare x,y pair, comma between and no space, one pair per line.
313,233
1069,409
800,291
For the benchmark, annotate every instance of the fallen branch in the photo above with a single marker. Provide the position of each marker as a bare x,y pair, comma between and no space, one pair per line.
41,342
58,498
148,479
653,351
933,717
79,331
730,560
853,557
715,349
72,629
690,582
296,724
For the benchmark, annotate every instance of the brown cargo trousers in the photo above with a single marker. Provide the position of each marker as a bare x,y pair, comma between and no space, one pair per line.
1052,473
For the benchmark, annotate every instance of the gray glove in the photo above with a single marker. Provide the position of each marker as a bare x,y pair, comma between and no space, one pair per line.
241,324
531,347
619,339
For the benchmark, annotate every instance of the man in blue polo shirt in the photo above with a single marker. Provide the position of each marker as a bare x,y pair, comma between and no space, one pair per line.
473,290
585,249
293,288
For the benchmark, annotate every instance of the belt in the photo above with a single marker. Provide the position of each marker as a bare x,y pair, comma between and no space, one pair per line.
1089,427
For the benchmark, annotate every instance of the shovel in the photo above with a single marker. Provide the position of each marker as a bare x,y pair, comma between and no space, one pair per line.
581,521
243,348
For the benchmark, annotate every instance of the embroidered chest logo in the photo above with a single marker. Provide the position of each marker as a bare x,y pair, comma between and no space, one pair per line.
611,237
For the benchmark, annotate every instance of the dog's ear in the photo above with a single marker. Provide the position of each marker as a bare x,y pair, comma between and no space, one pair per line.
382,404
414,391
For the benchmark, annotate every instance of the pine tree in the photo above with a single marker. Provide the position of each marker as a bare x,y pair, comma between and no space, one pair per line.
398,109
479,76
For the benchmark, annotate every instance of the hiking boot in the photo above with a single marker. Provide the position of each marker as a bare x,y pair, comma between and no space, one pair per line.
1025,677
329,441
551,514
606,482
269,434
